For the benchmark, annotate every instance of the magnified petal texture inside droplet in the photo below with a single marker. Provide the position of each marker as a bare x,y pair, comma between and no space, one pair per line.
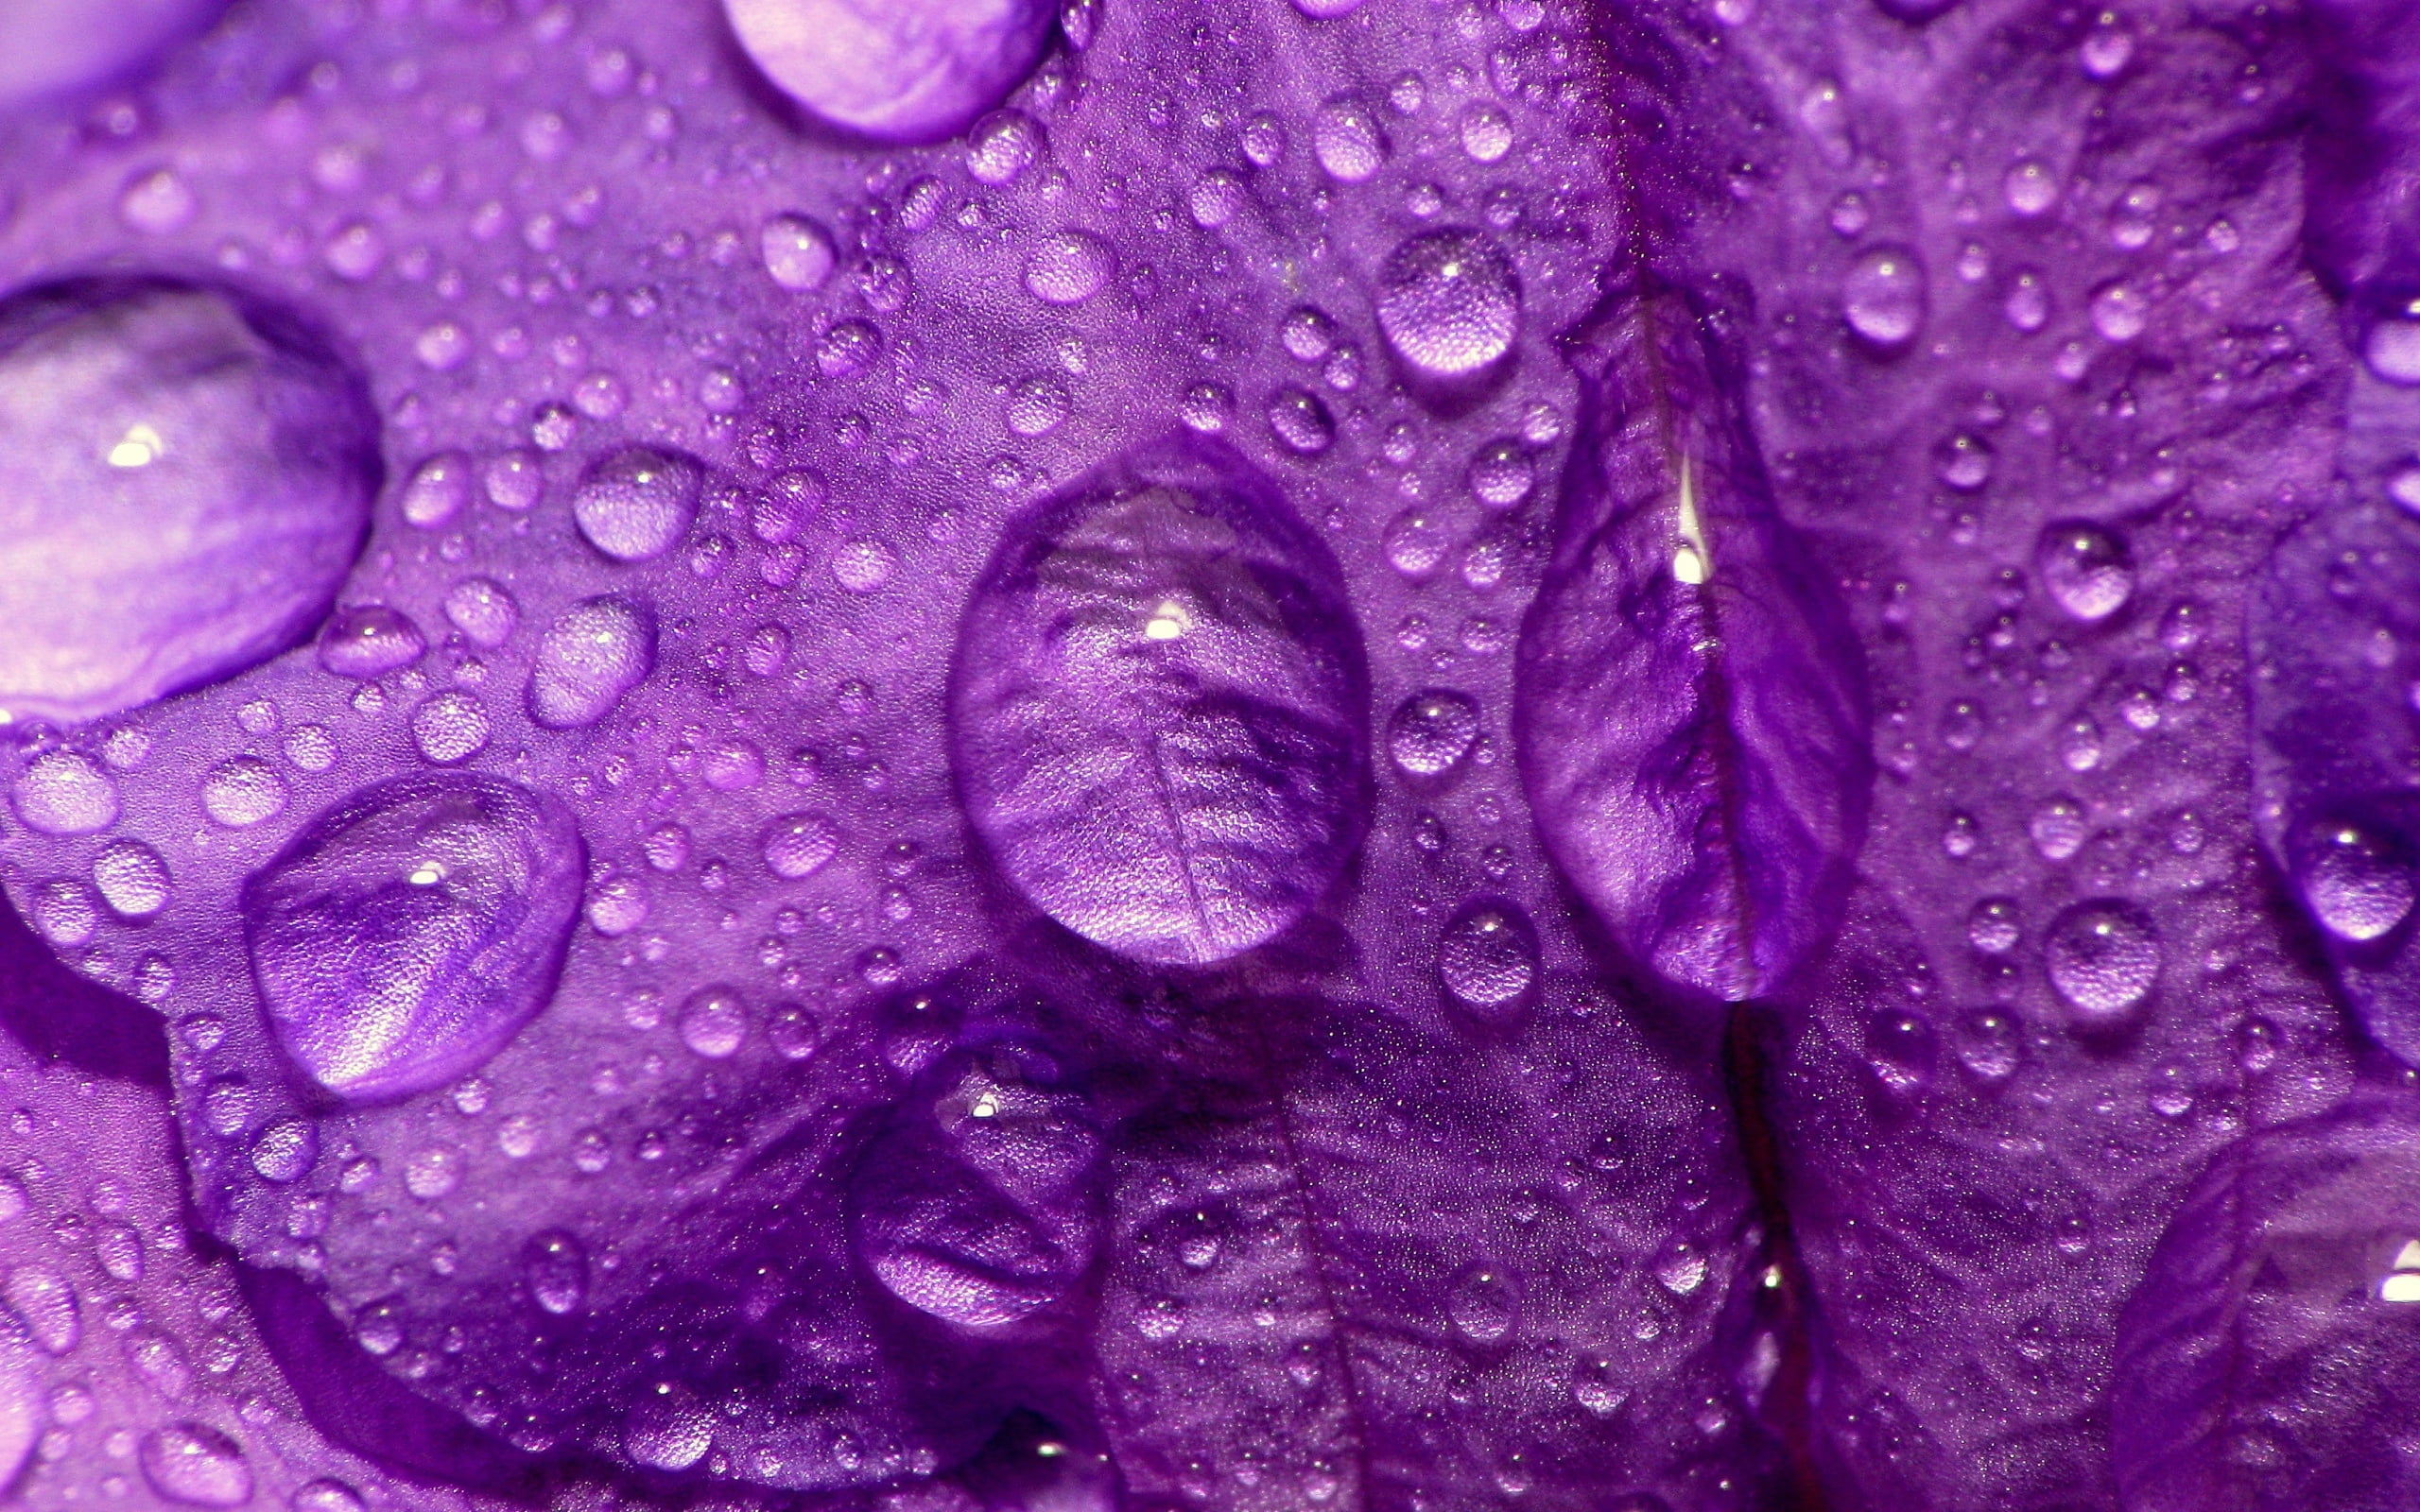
410,932
185,477
1691,701
893,70
1158,707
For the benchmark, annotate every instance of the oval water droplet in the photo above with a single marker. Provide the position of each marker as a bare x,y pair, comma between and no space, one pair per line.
1883,296
799,845
1219,196
597,651
451,727
1449,302
1002,145
668,1429
2085,569
2392,350
201,462
408,933
48,1304
326,1495
1431,732
2030,187
636,503
370,640
1990,1044
1038,406
1068,268
714,1022
2119,312
132,879
1502,473
61,792
2102,956
1992,928
195,1465
1347,139
904,71
1902,1049
2358,881
1300,421
484,610
798,252
286,1150
555,1264
1156,705
438,489
242,791
1482,1304
1488,954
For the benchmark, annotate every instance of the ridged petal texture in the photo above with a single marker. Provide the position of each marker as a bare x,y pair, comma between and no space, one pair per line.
1692,705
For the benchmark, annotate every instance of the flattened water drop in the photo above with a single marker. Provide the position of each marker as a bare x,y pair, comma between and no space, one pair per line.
2102,956
1347,139
1068,268
2357,879
61,792
195,1465
200,463
1883,296
636,503
242,791
370,640
898,71
2085,569
1449,302
1488,954
410,931
1156,705
596,652
1431,732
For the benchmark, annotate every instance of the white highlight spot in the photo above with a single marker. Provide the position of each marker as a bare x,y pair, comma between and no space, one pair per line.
1168,622
1692,561
140,447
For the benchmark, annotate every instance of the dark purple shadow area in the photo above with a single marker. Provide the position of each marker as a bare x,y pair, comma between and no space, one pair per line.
64,1018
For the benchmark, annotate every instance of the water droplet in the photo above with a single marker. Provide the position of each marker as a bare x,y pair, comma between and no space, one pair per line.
1327,9
1307,334
370,640
451,727
636,503
1990,1044
864,566
1431,732
1217,197
1207,408
597,651
1449,302
158,200
2392,350
514,481
911,71
1038,406
1486,133
798,252
1902,1049
2119,313
242,791
556,1267
1964,462
1502,473
1488,954
2030,187
2028,306
62,793
1347,140
2102,957
668,1430
2059,830
132,878
798,846
433,1173
1264,140
1002,145
2105,48
1883,296
2085,569
438,489
1300,421
1992,928
195,1465
1068,268
484,610
2358,881
714,1022
192,459
50,1307
1482,1304
1415,542
410,931
326,1495
286,1150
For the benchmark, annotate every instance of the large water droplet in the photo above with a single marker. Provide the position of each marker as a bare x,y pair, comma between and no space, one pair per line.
669,1429
1347,139
1002,145
2085,569
200,463
636,503
1300,421
599,649
714,1022
62,793
1155,707
2392,350
2102,957
1449,302
410,931
1482,1304
798,252
242,791
370,640
132,879
1068,268
451,727
195,1465
555,1264
1431,732
2358,881
799,845
1488,954
903,71
1883,296
484,610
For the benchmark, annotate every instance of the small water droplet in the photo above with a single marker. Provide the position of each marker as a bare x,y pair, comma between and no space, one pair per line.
636,503
2102,957
798,252
370,640
2032,187
714,1022
1488,954
1990,1044
451,727
2058,828
1431,732
195,1465
1502,473
242,791
1347,139
62,793
2119,313
2392,350
1038,406
1001,147
1482,1304
132,878
2357,879
2086,570
484,610
556,1267
1068,268
1300,421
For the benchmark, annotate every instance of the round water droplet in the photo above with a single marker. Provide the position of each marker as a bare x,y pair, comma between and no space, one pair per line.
1068,268
1002,145
1486,133
1502,473
370,640
2030,187
1482,1304
451,727
199,461
798,252
2392,350
636,503
2060,829
484,610
2356,879
714,1022
1347,140
1992,928
864,566
242,791
1431,732
2085,569
2119,313
1207,408
668,1430
157,200
514,480
1217,197
1307,334
2106,48
1264,140
1990,1044
1038,406
903,71
588,659
410,931
2027,305
438,489
1964,462
326,1495
798,846
2102,957
555,1264
62,793
132,878
1488,954
1415,541
65,913
195,1465
1449,302
1883,296
286,1150
1300,421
